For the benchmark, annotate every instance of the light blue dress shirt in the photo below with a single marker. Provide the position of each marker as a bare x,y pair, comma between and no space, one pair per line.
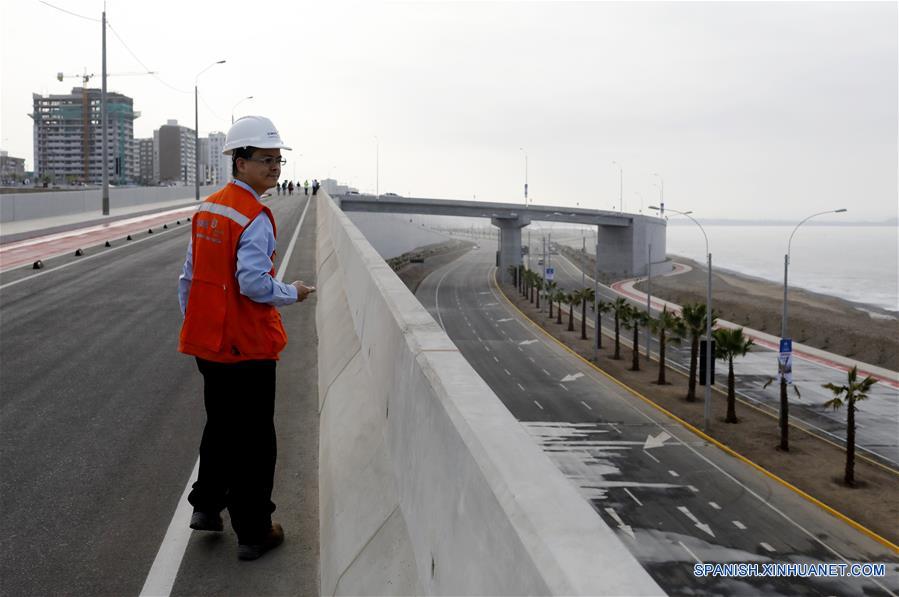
254,264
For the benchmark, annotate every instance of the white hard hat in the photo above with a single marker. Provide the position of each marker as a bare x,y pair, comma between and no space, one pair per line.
252,131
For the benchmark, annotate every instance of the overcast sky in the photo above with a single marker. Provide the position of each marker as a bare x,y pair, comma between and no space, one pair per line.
746,110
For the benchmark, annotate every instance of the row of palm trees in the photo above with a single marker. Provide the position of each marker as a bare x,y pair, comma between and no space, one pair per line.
673,328
670,328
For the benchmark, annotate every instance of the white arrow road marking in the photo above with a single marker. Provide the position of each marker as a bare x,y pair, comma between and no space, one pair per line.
714,505
504,320
768,547
701,526
526,342
687,549
624,527
627,491
739,525
657,441
651,456
572,377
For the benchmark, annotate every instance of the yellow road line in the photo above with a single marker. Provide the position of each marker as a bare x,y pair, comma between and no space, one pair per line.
856,525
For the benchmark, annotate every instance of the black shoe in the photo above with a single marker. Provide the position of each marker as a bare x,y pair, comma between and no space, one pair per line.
252,551
206,521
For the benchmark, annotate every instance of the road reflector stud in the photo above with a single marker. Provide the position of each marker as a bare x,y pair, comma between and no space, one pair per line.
178,222
188,218
165,226
38,265
107,244
150,231
129,237
78,252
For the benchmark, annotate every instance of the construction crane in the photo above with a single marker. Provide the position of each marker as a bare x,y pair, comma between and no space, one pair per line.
86,110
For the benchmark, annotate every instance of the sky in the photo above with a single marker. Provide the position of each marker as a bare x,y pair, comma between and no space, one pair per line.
744,109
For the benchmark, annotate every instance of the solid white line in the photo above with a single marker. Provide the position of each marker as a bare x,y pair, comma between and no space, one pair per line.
293,242
739,525
164,570
538,405
651,456
587,406
691,553
627,491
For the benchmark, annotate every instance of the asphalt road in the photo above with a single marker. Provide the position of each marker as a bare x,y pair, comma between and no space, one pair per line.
101,419
877,418
674,500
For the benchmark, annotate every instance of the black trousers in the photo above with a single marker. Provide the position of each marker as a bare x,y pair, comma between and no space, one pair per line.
239,449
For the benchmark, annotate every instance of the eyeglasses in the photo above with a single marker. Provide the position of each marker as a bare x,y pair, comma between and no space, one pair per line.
268,161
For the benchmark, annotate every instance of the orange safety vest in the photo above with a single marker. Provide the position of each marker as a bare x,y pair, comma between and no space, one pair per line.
221,324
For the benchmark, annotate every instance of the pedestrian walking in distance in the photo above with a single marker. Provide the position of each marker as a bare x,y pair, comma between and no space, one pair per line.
306,187
290,188
229,298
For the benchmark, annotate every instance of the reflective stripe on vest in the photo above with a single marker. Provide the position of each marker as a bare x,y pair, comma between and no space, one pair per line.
228,212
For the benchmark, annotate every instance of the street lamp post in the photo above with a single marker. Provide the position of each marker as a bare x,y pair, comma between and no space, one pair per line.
784,402
620,186
661,195
197,129
234,107
377,169
526,200
707,408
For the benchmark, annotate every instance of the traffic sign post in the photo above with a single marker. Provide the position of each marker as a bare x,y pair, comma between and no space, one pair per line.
550,273
785,360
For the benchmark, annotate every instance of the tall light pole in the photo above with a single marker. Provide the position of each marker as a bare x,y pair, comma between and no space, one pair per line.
620,186
249,97
526,200
197,129
707,409
640,195
784,418
661,195
103,123
377,169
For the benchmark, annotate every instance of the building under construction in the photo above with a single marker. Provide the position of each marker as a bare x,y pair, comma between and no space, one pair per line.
68,137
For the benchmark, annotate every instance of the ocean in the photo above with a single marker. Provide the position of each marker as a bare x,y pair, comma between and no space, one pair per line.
856,263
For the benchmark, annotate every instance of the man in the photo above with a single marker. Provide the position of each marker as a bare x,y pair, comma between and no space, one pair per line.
228,295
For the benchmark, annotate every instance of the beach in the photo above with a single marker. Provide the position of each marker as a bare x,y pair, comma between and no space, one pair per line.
864,332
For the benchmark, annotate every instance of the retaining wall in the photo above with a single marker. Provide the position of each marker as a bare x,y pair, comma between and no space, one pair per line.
427,483
28,206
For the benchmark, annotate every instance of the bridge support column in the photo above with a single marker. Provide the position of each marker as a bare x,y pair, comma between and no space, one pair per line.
509,243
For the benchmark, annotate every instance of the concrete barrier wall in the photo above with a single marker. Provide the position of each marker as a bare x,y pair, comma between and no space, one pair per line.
28,206
428,485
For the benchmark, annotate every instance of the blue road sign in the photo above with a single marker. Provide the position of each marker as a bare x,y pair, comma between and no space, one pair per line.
786,345
550,273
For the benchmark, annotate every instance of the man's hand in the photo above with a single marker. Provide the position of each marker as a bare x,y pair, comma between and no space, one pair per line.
303,291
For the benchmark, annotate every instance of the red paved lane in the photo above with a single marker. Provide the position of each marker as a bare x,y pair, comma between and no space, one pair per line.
15,254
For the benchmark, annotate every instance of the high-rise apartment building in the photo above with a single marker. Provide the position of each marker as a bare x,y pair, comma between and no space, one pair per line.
219,165
68,136
174,153
144,161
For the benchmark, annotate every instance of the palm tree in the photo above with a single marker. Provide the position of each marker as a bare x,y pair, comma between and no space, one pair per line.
731,343
670,328
551,288
693,315
634,317
561,298
573,299
618,308
587,296
538,284
855,391
603,308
